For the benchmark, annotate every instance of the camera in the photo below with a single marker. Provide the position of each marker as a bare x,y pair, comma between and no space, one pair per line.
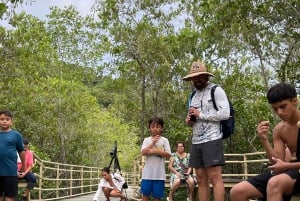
113,152
193,117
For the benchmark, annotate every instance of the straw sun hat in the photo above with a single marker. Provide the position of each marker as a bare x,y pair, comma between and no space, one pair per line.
197,68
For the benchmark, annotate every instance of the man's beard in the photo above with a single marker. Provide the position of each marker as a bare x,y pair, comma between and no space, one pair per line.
200,84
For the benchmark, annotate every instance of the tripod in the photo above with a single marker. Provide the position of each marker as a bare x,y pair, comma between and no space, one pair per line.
116,165
114,159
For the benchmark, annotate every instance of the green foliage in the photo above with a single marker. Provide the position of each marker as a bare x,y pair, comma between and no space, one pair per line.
7,6
51,100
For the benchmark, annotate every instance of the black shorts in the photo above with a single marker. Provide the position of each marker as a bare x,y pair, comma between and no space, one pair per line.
207,154
260,182
9,186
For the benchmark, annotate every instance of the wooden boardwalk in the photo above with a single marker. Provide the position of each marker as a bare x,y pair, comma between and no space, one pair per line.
89,197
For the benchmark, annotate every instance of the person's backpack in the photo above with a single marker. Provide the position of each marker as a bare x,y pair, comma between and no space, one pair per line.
125,185
227,126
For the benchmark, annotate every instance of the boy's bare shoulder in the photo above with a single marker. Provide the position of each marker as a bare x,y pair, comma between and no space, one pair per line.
283,127
280,128
287,133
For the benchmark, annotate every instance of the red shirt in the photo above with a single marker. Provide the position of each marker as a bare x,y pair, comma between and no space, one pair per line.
28,160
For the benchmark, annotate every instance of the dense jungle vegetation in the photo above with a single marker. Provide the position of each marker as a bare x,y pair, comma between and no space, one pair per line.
76,84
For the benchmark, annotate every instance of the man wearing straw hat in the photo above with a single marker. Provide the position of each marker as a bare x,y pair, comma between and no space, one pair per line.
207,153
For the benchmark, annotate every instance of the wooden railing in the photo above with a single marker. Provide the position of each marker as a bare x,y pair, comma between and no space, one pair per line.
238,167
59,181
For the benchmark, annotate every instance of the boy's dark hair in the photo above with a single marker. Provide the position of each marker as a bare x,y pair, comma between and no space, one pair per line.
280,92
106,169
157,120
25,141
6,113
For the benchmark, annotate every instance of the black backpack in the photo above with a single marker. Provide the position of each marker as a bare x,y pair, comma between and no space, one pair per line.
227,126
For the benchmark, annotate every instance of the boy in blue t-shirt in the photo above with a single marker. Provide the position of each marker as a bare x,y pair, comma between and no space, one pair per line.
11,142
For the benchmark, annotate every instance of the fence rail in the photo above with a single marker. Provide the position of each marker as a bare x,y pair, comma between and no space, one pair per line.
59,181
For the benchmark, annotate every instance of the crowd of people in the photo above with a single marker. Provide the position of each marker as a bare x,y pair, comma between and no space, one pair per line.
206,156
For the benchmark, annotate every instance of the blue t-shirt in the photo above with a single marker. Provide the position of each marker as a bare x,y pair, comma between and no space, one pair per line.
11,142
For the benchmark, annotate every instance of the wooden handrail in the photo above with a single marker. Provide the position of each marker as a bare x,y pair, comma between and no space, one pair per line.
60,181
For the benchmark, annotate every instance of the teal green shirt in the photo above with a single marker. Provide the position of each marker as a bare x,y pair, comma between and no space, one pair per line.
11,142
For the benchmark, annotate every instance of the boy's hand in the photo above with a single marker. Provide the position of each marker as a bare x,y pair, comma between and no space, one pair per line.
21,174
148,151
278,166
263,129
155,138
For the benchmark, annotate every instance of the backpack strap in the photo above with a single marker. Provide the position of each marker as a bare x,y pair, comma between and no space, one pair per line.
190,98
212,93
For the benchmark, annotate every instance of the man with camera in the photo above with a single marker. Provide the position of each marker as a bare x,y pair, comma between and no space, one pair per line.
207,153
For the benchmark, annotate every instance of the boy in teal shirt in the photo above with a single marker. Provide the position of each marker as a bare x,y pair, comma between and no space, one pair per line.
11,142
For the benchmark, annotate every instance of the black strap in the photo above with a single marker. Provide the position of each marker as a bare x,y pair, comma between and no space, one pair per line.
190,99
212,94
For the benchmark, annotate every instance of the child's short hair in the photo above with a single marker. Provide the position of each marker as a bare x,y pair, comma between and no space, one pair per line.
6,113
157,120
25,141
280,92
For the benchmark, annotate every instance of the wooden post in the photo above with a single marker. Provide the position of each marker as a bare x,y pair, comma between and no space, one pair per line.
71,180
41,180
81,176
245,167
91,177
57,180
